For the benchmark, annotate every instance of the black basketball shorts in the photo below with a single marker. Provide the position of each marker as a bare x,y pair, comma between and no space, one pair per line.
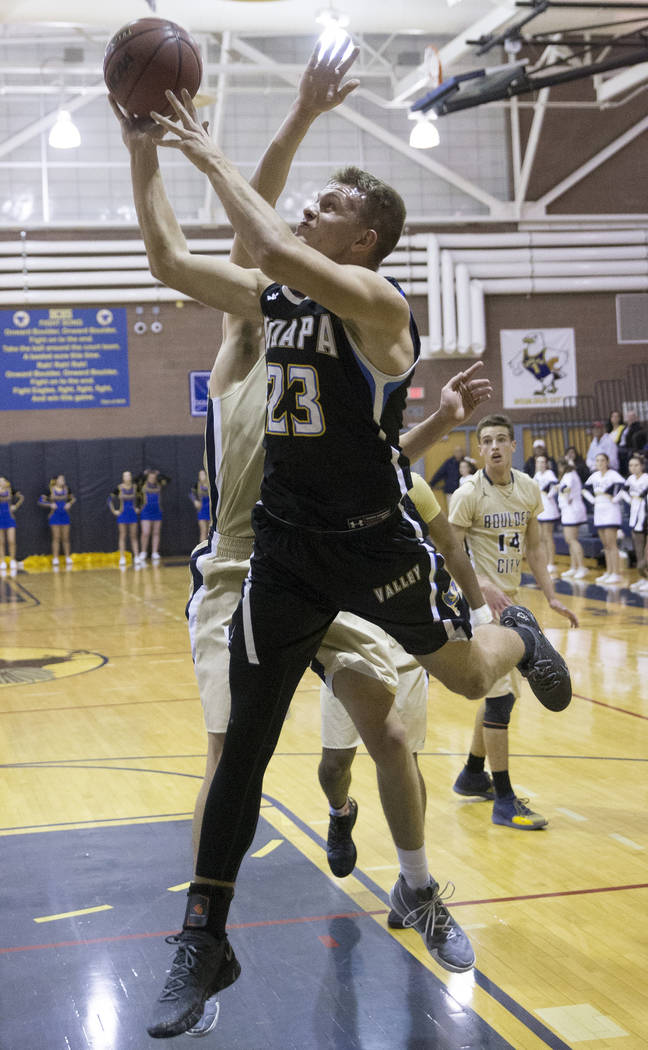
299,580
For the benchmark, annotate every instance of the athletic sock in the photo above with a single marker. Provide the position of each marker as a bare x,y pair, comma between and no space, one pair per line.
414,867
475,763
338,812
502,784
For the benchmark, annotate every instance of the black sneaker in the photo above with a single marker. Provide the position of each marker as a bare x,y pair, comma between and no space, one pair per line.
545,670
202,965
340,847
424,910
474,785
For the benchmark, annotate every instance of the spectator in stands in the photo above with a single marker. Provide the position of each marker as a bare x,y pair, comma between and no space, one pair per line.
602,442
448,472
615,424
632,439
467,467
577,463
539,449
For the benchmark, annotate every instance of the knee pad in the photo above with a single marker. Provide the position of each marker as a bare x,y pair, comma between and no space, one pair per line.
497,711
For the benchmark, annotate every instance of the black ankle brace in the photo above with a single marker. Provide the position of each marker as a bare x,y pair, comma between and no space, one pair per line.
207,908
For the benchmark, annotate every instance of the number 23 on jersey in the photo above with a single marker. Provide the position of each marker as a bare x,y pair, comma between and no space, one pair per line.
293,408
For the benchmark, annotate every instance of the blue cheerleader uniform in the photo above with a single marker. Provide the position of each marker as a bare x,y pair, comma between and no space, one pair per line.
151,509
59,515
127,495
7,520
202,492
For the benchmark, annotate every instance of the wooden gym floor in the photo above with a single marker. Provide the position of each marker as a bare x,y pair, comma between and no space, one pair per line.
102,749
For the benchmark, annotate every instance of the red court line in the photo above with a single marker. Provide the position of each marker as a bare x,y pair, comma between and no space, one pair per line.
298,920
611,707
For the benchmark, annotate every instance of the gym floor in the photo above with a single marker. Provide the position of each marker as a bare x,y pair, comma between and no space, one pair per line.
102,754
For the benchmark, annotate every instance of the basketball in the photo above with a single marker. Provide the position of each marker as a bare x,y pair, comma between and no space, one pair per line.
144,59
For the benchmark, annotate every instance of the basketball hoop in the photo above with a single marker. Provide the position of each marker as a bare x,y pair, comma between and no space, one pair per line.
432,65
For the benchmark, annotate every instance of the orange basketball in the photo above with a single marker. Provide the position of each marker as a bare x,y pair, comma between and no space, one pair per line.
147,57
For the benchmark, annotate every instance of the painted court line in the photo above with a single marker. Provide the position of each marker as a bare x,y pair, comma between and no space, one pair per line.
570,813
625,842
268,848
72,914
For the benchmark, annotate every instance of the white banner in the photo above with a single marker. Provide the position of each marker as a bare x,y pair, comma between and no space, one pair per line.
538,366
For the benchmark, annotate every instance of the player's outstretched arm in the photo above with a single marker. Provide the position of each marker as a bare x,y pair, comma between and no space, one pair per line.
378,312
215,282
459,398
537,560
450,543
320,89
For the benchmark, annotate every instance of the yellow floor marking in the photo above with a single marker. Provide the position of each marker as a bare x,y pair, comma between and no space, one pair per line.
70,914
268,848
581,1022
179,887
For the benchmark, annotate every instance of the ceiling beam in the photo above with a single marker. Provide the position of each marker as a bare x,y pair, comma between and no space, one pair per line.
594,162
31,130
495,206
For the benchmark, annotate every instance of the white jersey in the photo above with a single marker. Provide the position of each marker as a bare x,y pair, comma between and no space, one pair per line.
234,455
495,520
570,499
635,492
600,489
546,481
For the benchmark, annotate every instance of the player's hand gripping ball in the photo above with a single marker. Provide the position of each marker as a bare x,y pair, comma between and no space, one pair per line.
146,58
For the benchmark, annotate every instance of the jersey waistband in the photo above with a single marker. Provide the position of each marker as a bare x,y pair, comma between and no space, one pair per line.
361,521
237,547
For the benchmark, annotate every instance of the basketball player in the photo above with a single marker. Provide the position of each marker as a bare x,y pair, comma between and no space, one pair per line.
360,662
330,531
498,512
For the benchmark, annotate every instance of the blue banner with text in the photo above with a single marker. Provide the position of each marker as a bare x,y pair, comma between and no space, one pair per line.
64,358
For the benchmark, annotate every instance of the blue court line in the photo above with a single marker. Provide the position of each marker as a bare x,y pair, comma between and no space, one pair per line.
514,1008
95,823
592,591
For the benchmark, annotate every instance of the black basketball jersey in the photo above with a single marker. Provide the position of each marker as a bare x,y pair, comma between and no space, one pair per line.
332,459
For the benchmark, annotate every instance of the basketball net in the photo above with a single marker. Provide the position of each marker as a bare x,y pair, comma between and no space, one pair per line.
432,65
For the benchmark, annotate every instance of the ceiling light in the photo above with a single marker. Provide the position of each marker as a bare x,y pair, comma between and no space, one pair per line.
424,134
329,16
64,134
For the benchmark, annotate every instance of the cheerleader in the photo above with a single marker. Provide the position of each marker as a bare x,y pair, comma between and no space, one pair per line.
59,500
546,480
573,514
10,500
150,491
122,502
600,489
200,498
635,492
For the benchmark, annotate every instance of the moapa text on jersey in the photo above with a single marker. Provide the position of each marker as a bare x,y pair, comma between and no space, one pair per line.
310,332
398,585
507,519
